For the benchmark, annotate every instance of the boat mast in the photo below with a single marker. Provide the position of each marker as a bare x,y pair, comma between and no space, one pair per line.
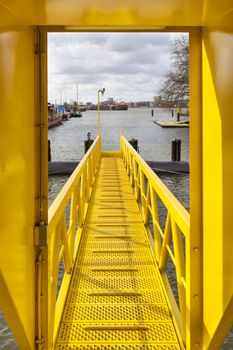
77,95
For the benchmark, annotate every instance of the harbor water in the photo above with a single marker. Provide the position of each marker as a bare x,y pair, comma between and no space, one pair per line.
154,141
67,144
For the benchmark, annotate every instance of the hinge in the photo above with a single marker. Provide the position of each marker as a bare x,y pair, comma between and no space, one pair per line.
38,42
37,49
39,341
41,235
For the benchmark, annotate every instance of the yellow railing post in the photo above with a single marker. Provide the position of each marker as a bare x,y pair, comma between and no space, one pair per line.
65,243
98,103
73,220
155,216
98,106
180,272
166,240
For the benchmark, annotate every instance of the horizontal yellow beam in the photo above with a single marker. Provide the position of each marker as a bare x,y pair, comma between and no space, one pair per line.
109,12
111,154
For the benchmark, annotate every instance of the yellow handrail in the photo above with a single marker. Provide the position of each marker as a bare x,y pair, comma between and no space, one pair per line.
168,242
66,217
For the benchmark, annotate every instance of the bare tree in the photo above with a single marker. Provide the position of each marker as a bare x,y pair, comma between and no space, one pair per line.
175,88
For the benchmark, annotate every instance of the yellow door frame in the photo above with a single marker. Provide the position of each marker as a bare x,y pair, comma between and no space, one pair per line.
194,254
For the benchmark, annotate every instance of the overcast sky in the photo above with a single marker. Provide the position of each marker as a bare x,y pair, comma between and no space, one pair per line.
131,66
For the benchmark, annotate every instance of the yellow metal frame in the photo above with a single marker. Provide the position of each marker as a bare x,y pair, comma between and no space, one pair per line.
63,237
209,294
147,188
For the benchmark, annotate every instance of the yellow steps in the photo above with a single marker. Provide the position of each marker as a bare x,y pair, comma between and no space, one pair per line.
115,300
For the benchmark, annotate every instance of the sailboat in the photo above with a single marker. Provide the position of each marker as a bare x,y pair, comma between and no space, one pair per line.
76,112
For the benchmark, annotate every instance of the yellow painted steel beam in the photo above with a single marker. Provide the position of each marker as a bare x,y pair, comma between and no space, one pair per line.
111,154
41,209
217,184
110,13
194,243
223,327
18,181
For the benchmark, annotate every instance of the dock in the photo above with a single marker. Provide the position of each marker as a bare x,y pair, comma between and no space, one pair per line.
172,123
66,168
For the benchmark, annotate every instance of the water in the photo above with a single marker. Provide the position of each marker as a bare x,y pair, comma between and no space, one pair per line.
67,141
67,144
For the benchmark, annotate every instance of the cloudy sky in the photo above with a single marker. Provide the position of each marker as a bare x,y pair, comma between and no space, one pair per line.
130,66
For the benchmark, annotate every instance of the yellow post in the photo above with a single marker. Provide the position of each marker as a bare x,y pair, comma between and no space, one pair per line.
194,244
102,92
99,113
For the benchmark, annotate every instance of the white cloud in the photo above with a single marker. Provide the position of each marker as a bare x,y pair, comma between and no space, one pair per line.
130,66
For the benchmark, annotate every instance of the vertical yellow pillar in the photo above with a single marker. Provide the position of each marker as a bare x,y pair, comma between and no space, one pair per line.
44,330
212,203
23,184
17,182
194,241
217,173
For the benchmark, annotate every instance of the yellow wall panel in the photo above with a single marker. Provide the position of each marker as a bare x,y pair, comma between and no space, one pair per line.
217,173
17,182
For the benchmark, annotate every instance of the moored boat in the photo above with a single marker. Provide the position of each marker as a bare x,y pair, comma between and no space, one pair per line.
54,116
76,114
82,108
119,107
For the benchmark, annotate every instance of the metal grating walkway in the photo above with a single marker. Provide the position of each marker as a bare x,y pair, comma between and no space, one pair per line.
115,300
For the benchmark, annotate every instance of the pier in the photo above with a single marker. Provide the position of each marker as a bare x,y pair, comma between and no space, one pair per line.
66,168
172,124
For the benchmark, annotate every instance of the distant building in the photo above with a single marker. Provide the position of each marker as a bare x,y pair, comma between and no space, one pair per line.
143,104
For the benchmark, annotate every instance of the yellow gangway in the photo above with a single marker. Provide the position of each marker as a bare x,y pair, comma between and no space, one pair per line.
114,296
